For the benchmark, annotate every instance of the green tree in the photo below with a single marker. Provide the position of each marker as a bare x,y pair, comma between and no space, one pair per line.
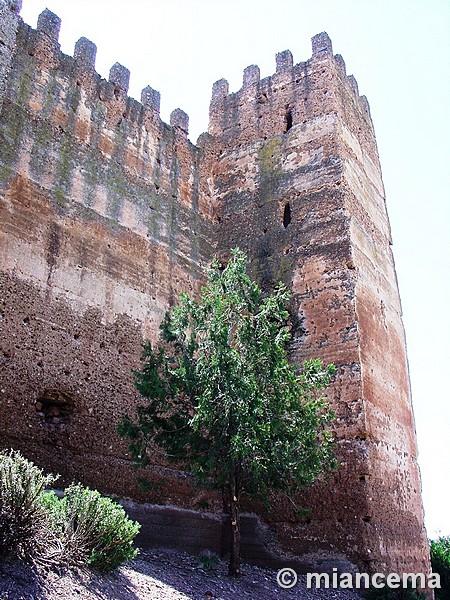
222,398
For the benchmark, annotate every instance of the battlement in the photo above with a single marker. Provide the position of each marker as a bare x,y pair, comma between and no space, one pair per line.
43,44
297,86
85,52
293,94
49,24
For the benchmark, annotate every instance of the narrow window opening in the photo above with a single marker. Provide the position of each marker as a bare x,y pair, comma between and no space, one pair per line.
287,215
288,120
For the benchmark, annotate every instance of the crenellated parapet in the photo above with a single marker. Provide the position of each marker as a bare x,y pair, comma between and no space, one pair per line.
295,93
46,36
76,76
83,113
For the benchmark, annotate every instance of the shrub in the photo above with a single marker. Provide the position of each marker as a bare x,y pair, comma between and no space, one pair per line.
208,560
24,532
94,530
84,528
440,563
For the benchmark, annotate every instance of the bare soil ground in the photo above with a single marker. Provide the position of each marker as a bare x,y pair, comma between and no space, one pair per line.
157,575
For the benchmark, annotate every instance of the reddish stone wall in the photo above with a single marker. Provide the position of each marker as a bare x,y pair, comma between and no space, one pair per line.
300,190
106,213
102,226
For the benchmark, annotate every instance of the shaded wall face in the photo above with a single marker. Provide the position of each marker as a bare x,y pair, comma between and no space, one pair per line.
100,228
302,193
393,484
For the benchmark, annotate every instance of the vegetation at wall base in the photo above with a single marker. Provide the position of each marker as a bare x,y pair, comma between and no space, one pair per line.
440,563
94,530
24,533
222,399
208,560
83,529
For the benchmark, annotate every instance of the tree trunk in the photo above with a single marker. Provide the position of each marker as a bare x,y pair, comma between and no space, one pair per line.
234,568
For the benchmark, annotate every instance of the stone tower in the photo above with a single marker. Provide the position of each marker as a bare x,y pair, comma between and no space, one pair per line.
107,213
298,185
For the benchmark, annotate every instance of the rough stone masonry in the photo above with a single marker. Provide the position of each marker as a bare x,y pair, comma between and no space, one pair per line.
107,213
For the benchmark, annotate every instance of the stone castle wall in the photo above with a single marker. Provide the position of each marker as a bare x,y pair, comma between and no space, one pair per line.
107,213
103,223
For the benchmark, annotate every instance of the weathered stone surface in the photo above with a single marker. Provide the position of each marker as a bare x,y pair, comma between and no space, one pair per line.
107,213
9,20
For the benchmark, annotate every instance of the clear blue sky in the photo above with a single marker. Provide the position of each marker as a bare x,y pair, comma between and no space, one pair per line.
399,52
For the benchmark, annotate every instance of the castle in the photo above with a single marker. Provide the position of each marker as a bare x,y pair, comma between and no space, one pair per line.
107,213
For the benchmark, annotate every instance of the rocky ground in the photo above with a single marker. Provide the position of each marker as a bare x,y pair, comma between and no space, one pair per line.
158,575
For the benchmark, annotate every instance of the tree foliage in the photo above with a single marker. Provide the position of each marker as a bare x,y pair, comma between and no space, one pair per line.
221,396
440,563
